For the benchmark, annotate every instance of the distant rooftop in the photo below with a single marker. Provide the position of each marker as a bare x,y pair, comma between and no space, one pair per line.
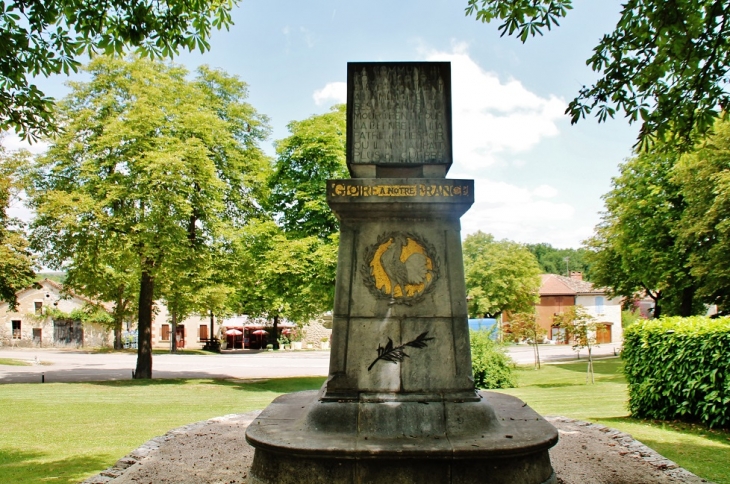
555,285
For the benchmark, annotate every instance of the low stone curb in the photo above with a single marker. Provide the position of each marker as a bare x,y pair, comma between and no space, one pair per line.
633,448
623,443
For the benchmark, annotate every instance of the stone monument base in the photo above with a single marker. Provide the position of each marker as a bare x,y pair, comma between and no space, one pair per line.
494,438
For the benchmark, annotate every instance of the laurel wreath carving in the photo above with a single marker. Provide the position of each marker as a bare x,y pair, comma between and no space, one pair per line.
369,279
397,354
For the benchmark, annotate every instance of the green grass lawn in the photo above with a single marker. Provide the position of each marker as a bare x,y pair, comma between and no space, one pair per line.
65,432
12,362
562,390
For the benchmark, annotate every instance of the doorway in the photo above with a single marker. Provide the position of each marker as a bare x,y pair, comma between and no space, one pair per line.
180,336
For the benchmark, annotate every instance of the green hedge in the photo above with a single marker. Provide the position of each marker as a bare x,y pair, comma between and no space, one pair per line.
679,369
491,366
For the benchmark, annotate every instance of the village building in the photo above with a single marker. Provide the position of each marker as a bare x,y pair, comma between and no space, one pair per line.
32,323
192,332
558,293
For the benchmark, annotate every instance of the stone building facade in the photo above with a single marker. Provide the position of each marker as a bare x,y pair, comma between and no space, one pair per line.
30,325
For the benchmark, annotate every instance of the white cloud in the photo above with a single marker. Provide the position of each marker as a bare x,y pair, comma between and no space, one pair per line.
13,142
333,92
545,191
511,212
491,116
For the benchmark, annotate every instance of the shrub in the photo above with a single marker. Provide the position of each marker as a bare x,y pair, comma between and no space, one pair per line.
679,368
491,366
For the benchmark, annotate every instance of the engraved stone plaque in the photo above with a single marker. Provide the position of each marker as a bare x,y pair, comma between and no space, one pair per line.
399,114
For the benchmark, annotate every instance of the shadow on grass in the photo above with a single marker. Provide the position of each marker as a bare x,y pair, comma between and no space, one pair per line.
21,467
721,436
553,385
276,385
608,366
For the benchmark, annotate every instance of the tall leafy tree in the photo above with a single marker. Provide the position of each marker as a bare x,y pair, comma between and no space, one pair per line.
150,170
290,257
284,276
45,37
665,64
16,261
313,153
704,231
501,275
635,249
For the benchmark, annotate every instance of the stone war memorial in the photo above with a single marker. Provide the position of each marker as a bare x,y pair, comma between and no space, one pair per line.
399,404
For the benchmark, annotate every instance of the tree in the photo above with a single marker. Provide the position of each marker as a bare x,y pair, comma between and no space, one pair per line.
16,261
560,261
500,276
111,280
635,250
290,256
665,64
150,170
704,230
525,326
580,327
45,37
311,155
283,276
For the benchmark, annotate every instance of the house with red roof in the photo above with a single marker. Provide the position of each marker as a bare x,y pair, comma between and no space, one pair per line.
557,293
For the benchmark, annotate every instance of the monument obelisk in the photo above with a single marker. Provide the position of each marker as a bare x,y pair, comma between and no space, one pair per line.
399,405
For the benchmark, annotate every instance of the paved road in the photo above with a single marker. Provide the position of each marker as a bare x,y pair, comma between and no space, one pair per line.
65,365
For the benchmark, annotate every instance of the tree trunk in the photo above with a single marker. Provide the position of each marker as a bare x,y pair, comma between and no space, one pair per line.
688,296
118,344
590,366
173,337
537,355
118,312
144,325
656,298
210,334
276,332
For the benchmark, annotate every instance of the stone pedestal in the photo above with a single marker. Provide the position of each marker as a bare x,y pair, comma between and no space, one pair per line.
399,405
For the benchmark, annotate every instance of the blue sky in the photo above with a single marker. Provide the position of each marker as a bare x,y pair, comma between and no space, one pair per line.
537,178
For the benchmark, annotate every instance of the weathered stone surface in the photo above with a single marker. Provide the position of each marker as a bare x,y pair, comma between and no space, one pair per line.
497,439
399,404
398,116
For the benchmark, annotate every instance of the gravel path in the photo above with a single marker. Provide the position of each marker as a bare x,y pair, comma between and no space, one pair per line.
215,451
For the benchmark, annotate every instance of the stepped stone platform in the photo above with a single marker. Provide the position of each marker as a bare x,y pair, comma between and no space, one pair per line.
215,451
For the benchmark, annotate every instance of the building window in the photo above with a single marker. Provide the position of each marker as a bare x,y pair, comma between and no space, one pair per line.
16,329
599,304
38,307
203,332
165,335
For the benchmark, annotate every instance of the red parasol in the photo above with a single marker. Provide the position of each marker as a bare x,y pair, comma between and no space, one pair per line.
234,332
260,331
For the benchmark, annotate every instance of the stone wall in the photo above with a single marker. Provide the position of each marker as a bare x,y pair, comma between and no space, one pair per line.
315,330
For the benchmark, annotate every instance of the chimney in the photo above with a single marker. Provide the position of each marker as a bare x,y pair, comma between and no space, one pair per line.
576,275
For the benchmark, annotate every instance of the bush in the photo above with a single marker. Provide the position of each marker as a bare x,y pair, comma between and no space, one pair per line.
491,366
679,368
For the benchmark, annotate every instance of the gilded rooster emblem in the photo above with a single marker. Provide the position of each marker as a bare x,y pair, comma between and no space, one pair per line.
401,267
